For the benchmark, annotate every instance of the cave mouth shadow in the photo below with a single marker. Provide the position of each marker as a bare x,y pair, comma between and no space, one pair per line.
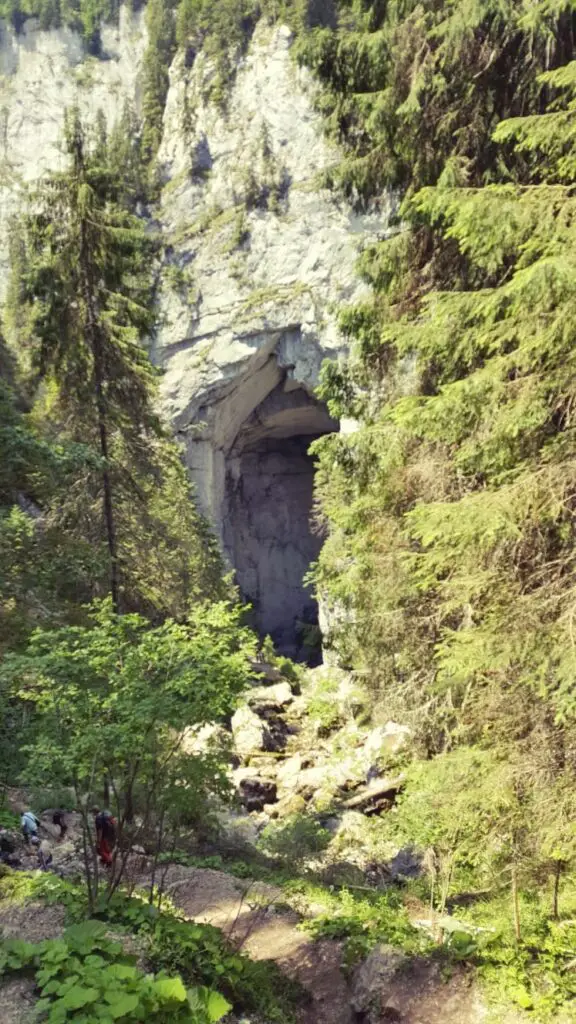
268,530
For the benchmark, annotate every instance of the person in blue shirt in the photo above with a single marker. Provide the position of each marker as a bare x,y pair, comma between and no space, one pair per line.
29,824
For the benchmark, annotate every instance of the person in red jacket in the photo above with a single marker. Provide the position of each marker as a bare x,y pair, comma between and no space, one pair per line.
105,825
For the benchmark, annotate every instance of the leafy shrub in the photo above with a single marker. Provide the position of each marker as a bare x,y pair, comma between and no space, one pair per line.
203,957
363,921
8,819
85,976
295,838
20,886
58,796
323,707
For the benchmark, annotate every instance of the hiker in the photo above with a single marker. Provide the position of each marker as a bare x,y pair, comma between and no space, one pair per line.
44,855
105,825
29,824
59,819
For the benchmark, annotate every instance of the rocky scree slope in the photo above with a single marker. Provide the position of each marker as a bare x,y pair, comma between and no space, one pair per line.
306,755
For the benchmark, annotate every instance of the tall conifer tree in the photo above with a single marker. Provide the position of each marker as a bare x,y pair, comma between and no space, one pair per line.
90,293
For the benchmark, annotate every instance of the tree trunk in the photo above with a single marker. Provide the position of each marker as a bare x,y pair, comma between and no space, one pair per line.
107,499
516,905
95,342
556,891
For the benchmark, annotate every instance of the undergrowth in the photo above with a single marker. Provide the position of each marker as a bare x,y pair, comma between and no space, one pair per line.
85,977
197,954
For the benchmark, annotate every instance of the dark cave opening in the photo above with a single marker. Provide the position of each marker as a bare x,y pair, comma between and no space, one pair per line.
268,532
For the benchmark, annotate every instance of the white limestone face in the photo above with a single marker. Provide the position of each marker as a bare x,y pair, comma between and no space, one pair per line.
258,256
250,302
42,74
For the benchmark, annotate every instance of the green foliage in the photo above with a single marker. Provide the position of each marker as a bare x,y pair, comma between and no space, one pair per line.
449,563
44,798
199,952
222,30
118,696
159,52
38,577
85,976
20,887
88,376
415,90
85,16
322,705
295,838
202,956
364,920
8,819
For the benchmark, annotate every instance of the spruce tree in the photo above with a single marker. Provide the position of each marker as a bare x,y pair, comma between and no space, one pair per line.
451,508
89,287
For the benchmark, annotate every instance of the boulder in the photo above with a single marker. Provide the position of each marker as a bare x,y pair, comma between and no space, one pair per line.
385,742
290,804
10,840
311,779
237,775
256,792
373,985
406,863
276,731
288,773
249,731
202,739
263,762
276,697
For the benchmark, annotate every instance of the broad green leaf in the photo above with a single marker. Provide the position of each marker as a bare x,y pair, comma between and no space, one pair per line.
123,1005
79,996
171,988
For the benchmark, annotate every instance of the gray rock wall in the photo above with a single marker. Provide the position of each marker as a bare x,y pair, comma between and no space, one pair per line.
41,75
258,256
265,253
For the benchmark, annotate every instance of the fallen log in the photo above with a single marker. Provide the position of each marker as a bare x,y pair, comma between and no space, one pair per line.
375,790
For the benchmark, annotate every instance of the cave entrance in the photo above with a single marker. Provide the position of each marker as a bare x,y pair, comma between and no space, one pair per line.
267,526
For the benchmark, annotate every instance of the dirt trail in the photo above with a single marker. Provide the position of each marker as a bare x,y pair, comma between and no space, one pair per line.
246,912
249,914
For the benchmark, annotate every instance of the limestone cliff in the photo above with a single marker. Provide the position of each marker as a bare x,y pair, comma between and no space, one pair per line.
257,258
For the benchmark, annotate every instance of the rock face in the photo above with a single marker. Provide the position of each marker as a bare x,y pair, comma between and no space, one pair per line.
258,255
42,74
266,254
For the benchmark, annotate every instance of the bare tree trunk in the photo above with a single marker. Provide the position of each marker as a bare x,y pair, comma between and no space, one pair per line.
157,852
106,483
88,852
556,891
94,338
516,904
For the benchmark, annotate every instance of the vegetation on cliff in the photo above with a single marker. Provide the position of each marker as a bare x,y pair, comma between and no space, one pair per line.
450,509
